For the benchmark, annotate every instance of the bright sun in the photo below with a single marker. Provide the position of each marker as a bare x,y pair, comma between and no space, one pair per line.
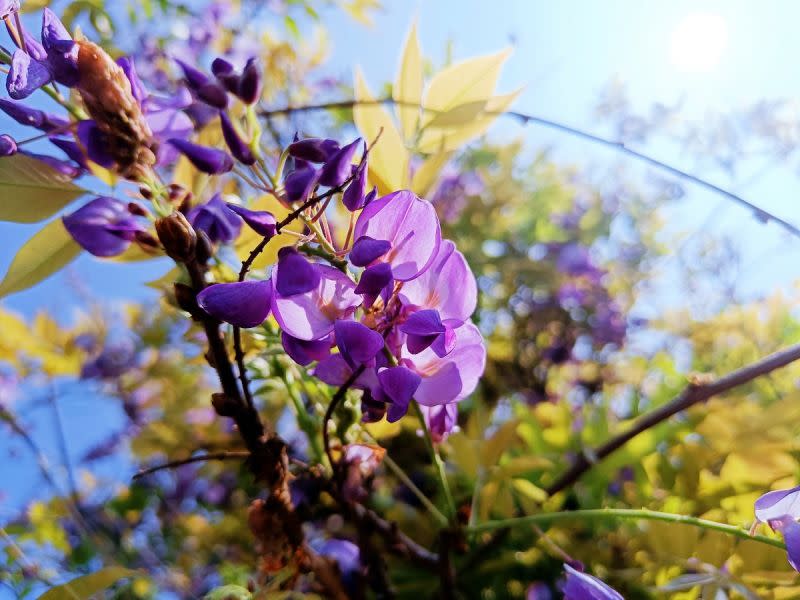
698,42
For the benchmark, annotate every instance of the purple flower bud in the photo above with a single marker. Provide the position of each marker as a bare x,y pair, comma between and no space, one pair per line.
62,51
299,184
213,94
305,352
357,343
580,586
208,160
215,220
337,170
295,274
96,143
65,167
250,83
243,303
32,117
8,8
441,420
354,196
238,147
399,385
194,77
71,149
260,221
220,66
366,250
8,146
138,90
226,75
25,76
103,226
316,150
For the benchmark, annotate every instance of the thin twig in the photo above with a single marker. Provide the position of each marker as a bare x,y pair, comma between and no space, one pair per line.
337,398
525,118
192,459
691,395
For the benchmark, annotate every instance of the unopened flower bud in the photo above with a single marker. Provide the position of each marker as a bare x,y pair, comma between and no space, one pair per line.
250,83
205,248
223,405
137,209
187,299
146,241
208,160
8,145
238,147
177,236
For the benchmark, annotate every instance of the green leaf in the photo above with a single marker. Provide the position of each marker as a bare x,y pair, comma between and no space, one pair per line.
49,250
228,592
31,190
88,585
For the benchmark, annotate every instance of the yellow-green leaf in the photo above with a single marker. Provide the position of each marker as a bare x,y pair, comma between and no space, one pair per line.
428,172
31,190
86,586
440,140
458,116
49,250
408,85
388,160
471,80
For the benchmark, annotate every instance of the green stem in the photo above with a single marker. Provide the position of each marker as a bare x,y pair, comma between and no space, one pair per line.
625,513
307,423
437,462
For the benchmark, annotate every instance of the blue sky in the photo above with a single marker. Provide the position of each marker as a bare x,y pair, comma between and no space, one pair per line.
565,54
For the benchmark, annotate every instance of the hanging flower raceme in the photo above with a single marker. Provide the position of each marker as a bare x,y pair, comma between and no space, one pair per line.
395,320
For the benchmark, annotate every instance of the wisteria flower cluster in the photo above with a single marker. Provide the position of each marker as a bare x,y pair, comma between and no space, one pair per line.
393,322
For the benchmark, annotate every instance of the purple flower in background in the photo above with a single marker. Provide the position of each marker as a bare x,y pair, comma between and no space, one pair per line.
780,510
538,591
244,304
450,196
346,555
311,315
115,359
410,225
216,220
8,390
580,586
103,227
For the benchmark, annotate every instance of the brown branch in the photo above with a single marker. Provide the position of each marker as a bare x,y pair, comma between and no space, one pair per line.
173,464
759,213
693,394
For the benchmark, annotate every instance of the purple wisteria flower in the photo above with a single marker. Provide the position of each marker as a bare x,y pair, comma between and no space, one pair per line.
216,220
103,227
244,304
580,586
780,510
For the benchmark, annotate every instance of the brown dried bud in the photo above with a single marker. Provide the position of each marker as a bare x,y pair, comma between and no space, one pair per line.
107,96
205,249
146,193
147,241
137,209
177,236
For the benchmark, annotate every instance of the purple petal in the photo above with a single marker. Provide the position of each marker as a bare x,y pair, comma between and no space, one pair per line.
213,94
366,250
8,8
71,149
215,220
299,184
62,52
165,124
448,285
399,384
354,196
316,150
25,76
296,275
260,221
95,142
374,279
357,343
310,316
238,147
304,352
104,226
580,586
791,537
66,167
137,87
242,303
455,376
194,77
208,160
220,66
339,167
24,115
441,420
779,503
423,322
250,82
412,227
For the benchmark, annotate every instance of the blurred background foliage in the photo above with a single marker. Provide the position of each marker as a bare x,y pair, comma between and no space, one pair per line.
563,255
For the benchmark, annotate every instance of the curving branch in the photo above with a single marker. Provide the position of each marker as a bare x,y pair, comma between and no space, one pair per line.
693,394
173,464
525,118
